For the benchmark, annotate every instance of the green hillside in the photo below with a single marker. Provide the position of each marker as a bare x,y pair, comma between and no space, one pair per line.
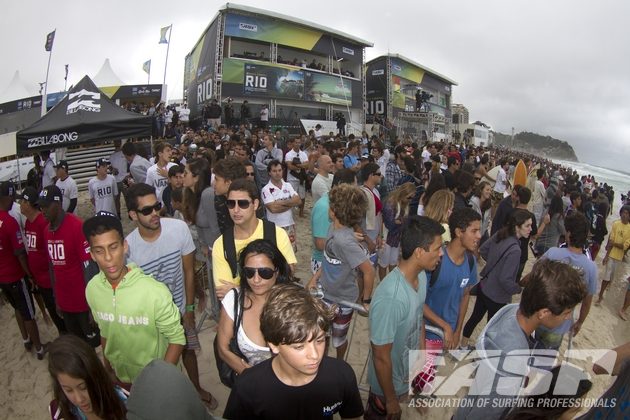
537,144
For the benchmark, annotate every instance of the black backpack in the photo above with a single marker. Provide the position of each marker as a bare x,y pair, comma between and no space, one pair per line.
435,274
229,247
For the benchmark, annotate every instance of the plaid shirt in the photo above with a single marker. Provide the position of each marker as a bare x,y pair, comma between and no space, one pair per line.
392,176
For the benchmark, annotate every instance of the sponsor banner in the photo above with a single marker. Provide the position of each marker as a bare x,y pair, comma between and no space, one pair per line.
199,72
58,139
406,70
83,100
327,89
249,78
267,29
277,82
262,28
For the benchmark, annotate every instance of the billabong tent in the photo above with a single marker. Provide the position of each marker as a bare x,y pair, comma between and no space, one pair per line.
85,115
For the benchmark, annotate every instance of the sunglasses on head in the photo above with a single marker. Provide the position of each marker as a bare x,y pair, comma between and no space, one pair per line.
265,273
149,209
243,204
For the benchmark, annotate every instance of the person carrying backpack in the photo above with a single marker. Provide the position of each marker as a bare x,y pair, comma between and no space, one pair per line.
449,290
242,202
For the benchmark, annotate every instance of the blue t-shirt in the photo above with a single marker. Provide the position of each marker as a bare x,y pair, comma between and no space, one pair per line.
447,292
396,317
349,161
584,266
320,224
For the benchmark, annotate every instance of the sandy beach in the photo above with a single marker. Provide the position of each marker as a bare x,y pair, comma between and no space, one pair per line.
27,383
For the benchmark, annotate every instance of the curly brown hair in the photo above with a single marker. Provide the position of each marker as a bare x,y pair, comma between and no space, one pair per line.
348,203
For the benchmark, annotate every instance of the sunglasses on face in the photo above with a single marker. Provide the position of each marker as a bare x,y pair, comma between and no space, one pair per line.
145,211
243,204
250,173
376,174
265,273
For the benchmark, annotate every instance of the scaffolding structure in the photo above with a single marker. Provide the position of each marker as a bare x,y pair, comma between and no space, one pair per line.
420,124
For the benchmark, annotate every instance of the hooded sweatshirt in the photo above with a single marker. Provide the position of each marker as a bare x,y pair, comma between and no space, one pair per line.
498,277
502,336
162,391
138,319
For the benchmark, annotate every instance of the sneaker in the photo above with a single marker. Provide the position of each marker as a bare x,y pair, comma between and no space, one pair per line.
42,351
28,345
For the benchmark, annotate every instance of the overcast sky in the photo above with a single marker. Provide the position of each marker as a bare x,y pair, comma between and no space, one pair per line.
559,68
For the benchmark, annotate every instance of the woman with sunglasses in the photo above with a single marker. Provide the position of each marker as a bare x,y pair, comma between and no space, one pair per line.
261,266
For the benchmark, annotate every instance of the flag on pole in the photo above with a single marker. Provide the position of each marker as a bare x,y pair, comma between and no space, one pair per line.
50,38
147,67
163,33
66,77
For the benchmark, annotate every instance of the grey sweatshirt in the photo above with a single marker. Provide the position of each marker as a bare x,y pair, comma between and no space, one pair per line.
502,335
502,262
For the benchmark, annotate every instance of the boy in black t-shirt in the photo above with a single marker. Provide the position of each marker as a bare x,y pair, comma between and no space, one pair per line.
299,382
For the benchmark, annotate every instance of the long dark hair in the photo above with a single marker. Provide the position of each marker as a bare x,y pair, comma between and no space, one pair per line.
435,184
72,356
556,206
517,218
271,251
200,168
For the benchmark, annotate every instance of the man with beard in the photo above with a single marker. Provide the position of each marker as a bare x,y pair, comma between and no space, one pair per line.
164,248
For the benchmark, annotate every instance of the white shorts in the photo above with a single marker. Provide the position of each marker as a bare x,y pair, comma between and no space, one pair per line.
613,268
388,256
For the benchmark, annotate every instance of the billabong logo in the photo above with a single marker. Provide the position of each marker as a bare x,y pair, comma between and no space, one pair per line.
378,72
83,100
248,27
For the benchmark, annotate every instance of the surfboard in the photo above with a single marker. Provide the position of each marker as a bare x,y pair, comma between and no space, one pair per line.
520,174
492,173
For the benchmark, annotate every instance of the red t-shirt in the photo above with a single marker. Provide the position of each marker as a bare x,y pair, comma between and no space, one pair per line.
38,259
68,251
10,242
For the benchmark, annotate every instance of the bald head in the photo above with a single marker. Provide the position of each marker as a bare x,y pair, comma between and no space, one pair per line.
324,165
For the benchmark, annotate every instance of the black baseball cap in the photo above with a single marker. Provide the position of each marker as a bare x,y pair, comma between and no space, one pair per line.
50,194
7,189
62,164
102,218
103,162
30,195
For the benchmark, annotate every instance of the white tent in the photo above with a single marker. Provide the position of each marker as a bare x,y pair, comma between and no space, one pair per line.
16,90
106,76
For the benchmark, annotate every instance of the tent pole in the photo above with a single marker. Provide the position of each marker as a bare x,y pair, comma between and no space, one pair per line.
17,160
151,152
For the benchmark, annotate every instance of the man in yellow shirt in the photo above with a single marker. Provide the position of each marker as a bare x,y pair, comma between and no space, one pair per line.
242,202
616,248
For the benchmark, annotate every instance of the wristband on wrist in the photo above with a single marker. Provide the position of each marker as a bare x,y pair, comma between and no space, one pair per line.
367,301
191,307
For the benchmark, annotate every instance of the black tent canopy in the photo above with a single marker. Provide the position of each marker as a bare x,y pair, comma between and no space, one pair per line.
85,115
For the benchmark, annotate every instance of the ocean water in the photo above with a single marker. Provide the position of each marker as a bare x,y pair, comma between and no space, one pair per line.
618,180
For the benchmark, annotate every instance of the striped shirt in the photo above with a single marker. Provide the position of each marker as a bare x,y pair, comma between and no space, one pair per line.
162,258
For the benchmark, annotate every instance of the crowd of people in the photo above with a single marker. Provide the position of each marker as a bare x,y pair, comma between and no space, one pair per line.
398,232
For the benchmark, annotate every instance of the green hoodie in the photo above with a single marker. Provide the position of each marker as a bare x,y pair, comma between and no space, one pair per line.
138,319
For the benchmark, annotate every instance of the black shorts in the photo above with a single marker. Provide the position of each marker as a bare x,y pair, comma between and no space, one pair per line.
19,296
